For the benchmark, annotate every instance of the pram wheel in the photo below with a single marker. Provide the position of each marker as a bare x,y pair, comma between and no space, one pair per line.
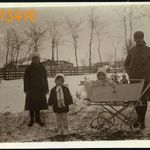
108,119
103,122
94,123
127,124
100,124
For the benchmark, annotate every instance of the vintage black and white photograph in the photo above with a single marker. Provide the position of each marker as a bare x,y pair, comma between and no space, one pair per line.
75,73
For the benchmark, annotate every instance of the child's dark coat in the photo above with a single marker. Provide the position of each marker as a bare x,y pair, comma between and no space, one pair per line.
53,100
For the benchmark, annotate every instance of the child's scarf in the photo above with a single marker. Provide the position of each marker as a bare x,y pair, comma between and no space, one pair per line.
60,97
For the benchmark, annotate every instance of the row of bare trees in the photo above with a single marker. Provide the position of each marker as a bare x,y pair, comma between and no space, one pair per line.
34,37
14,42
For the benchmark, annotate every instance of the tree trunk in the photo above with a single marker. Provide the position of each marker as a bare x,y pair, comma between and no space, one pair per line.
53,46
18,50
12,53
36,46
7,55
115,61
99,53
125,32
52,65
90,50
76,57
131,28
5,67
57,49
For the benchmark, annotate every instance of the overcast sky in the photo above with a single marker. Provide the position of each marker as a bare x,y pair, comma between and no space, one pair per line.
113,32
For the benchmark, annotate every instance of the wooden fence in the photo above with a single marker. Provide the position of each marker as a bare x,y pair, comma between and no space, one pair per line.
18,73
1,74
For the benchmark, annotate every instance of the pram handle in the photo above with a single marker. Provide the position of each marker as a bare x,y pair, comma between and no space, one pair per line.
147,87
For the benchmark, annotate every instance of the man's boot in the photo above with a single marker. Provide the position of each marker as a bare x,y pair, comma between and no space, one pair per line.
30,124
138,122
38,119
143,118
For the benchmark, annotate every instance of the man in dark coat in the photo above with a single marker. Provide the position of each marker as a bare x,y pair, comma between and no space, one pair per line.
35,88
137,65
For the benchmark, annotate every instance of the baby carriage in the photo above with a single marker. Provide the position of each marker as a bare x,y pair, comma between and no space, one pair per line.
117,104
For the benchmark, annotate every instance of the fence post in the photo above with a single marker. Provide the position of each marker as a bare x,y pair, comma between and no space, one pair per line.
4,73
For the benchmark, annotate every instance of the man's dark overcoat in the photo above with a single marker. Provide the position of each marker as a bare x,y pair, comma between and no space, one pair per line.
36,87
137,64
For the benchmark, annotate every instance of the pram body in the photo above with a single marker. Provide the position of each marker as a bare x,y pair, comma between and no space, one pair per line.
115,103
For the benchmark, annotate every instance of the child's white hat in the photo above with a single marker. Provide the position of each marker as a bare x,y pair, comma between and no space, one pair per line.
103,70
59,74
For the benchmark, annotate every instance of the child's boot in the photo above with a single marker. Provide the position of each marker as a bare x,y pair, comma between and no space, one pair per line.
65,132
59,129
65,127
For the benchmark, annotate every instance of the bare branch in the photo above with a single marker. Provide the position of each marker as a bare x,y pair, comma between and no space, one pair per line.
55,34
127,17
36,36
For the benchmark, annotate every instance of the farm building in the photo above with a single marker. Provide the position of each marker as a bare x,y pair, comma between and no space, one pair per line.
119,64
58,65
65,65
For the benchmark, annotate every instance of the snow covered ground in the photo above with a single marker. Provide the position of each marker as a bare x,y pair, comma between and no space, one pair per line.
12,97
13,118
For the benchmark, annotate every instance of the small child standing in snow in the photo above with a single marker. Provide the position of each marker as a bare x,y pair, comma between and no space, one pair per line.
60,98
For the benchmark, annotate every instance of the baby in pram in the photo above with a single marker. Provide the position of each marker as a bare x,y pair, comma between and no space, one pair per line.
102,79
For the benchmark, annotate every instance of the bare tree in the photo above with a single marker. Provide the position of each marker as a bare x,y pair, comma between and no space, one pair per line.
10,46
2,54
56,35
17,42
58,41
126,15
92,20
7,43
99,27
36,36
74,28
115,46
